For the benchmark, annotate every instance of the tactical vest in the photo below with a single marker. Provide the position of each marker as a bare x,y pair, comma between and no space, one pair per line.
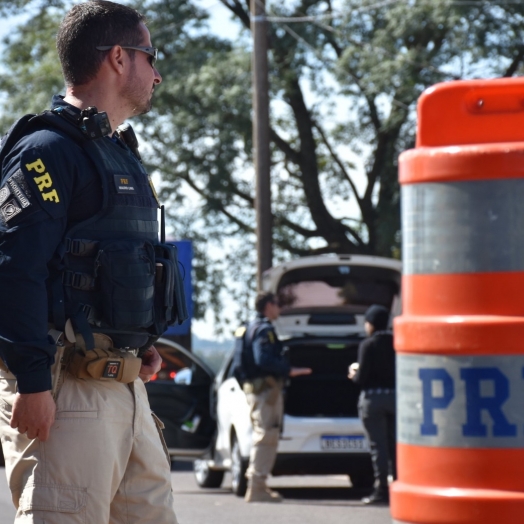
111,274
244,365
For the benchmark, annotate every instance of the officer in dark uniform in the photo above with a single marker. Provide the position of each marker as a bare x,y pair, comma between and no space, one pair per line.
85,287
375,374
264,369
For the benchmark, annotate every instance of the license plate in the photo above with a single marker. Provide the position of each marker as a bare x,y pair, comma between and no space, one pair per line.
343,443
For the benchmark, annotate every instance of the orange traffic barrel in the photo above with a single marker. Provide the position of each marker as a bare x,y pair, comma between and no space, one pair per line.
460,338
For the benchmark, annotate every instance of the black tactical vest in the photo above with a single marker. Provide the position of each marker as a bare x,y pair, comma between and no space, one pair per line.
244,365
111,274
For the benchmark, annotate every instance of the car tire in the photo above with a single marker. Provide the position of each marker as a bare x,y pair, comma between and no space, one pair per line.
205,477
238,469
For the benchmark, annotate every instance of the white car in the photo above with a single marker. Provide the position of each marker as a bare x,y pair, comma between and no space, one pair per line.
323,303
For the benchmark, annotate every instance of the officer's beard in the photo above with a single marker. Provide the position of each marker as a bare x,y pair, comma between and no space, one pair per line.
138,98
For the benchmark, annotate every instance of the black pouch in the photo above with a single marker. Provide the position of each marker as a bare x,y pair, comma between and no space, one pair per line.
170,300
126,273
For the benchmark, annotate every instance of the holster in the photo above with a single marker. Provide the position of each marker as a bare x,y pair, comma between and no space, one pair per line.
259,385
103,362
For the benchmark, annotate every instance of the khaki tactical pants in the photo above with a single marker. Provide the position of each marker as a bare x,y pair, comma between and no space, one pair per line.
105,461
264,397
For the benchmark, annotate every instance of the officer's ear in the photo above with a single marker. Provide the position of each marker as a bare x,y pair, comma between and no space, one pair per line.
117,60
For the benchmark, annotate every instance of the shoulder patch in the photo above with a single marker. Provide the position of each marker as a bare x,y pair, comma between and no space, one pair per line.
271,337
41,182
19,188
14,197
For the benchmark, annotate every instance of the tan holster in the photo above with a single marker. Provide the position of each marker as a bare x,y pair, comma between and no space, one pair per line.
259,385
102,363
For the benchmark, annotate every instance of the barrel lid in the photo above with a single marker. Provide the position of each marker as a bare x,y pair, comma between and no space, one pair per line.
471,112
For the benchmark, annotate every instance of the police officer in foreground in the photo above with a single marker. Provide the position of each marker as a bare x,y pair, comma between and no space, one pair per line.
86,287
375,374
263,370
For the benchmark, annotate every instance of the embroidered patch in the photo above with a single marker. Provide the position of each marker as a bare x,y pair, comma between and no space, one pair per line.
19,189
4,194
9,210
112,368
125,184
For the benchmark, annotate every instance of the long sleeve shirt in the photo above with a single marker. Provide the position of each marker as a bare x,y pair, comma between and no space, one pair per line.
268,351
48,183
376,359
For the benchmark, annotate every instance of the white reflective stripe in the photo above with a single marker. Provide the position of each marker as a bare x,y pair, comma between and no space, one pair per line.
460,402
463,227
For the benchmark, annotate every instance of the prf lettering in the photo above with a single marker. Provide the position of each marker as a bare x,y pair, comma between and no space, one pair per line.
476,402
124,181
43,182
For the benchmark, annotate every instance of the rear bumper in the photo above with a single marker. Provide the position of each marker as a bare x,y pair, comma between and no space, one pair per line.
320,463
303,435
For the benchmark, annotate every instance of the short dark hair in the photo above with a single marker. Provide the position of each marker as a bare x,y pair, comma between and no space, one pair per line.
377,316
91,24
262,300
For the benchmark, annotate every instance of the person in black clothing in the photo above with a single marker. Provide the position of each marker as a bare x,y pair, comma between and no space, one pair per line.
375,374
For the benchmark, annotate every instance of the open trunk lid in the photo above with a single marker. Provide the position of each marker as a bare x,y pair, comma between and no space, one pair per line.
326,296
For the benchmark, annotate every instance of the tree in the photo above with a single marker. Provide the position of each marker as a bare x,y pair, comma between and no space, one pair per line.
345,76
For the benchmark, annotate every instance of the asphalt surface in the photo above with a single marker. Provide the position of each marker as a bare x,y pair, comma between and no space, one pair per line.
308,500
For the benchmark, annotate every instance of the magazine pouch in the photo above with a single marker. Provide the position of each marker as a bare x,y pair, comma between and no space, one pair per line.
126,275
170,301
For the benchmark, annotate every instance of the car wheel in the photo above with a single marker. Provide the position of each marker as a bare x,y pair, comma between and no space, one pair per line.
205,477
238,470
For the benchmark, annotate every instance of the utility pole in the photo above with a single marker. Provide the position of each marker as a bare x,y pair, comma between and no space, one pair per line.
261,139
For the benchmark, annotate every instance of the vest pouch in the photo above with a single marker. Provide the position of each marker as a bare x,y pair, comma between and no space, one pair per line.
126,275
164,290
174,300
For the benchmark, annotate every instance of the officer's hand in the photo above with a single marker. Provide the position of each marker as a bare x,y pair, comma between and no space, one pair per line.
352,371
151,364
34,414
296,372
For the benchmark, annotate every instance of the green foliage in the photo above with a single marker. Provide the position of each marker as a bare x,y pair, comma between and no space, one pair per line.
33,67
345,76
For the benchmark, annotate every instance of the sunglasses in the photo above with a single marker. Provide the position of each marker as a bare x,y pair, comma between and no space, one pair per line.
151,51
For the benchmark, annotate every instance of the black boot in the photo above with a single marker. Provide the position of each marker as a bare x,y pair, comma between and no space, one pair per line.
379,496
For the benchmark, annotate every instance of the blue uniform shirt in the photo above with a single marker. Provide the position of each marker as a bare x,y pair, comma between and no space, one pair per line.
48,183
268,351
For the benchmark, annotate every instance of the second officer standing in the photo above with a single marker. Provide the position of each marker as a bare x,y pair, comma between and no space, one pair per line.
264,369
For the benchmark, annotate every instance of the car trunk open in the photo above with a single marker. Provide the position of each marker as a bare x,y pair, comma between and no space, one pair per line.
327,392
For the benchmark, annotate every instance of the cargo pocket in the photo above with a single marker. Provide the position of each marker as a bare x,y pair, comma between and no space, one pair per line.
55,499
160,426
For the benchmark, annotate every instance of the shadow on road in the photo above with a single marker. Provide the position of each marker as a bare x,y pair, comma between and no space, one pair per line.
316,493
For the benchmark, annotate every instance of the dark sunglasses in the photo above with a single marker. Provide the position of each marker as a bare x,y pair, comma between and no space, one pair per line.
151,51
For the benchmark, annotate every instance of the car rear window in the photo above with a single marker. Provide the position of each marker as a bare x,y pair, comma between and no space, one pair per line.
352,288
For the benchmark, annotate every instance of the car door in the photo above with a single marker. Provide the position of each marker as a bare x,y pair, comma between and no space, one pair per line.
232,414
180,395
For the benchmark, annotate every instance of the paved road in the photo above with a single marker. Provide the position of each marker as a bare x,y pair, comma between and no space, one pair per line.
309,500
